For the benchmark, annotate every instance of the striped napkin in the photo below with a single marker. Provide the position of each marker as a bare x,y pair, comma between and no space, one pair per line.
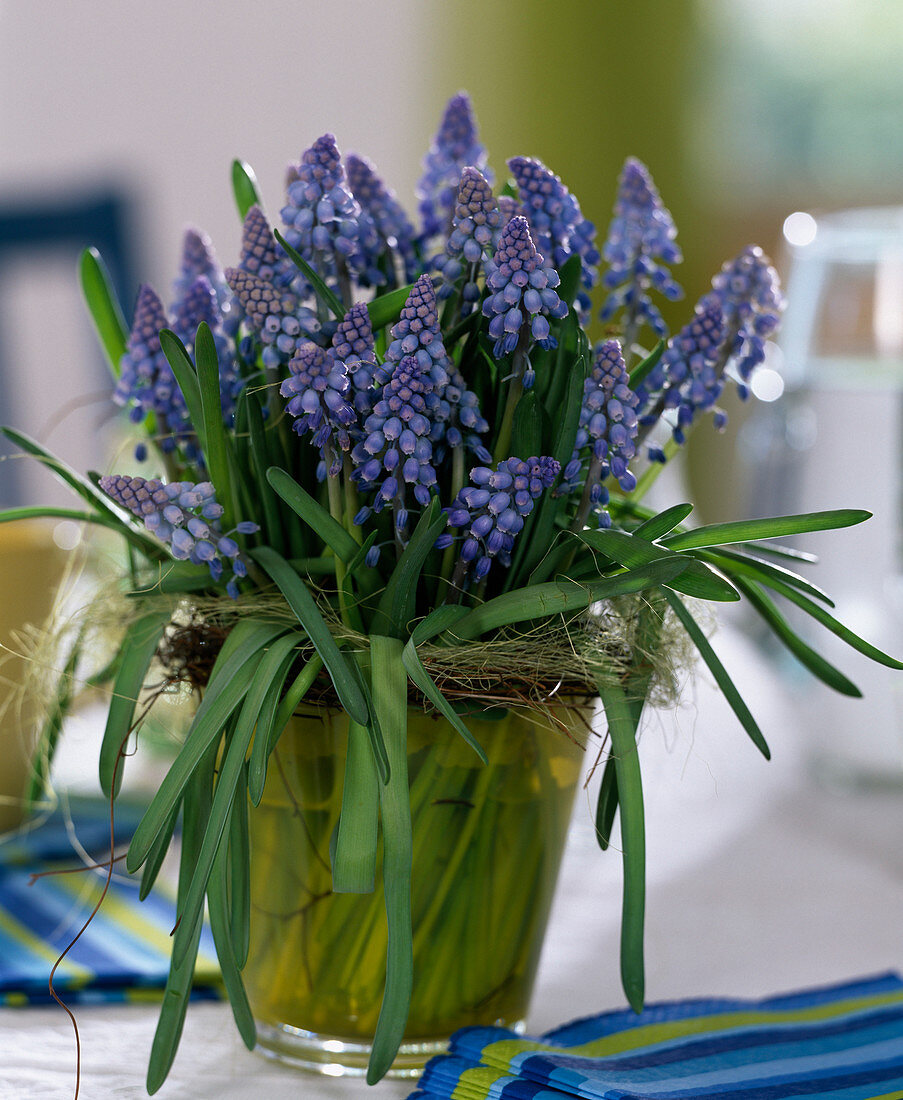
124,953
844,1042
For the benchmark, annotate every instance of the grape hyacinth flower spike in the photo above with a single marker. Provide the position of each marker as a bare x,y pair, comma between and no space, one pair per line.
395,450
556,222
353,346
608,430
198,260
455,146
323,219
687,378
318,389
393,235
748,291
186,517
417,333
146,382
641,242
523,294
274,315
493,510
476,225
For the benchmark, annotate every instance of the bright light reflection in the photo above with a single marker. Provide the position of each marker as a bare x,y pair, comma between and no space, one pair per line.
67,535
766,384
334,1046
800,228
331,1069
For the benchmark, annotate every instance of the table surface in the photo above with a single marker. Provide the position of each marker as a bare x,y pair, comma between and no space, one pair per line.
759,881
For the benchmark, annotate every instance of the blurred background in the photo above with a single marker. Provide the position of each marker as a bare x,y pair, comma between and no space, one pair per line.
759,119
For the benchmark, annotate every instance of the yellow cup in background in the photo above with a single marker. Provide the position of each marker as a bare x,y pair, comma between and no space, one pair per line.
31,567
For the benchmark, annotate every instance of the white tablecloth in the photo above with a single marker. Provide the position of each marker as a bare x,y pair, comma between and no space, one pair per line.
759,881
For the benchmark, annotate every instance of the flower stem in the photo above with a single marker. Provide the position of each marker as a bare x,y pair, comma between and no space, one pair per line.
515,392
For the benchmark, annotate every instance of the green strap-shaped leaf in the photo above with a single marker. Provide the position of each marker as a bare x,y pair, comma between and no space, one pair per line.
300,600
424,682
137,651
645,366
570,274
558,597
354,860
389,687
226,949
216,444
186,377
94,496
239,872
220,701
658,525
807,656
607,804
314,515
106,313
634,552
526,434
766,572
244,187
178,983
321,290
246,638
837,628
720,673
398,602
230,769
752,530
298,688
157,854
387,307
624,751
275,675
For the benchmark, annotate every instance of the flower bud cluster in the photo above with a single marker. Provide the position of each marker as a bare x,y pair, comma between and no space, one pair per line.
556,221
322,217
395,448
273,314
494,507
641,242
455,146
749,293
391,233
319,389
476,224
186,517
352,344
522,289
146,383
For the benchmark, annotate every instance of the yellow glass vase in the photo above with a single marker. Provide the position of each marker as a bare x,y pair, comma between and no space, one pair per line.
488,841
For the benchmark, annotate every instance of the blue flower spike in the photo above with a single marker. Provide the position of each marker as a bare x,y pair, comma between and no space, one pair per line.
523,294
492,510
556,222
640,245
318,389
353,346
417,333
454,147
748,291
322,217
395,450
274,315
186,517
476,225
393,235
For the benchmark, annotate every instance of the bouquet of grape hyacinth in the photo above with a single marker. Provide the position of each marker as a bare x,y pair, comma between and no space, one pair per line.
373,441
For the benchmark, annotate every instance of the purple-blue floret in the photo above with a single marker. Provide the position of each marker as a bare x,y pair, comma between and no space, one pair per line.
186,517
494,507
522,292
353,346
641,242
455,146
275,315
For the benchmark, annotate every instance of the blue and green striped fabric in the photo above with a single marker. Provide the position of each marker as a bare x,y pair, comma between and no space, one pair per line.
844,1042
124,952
